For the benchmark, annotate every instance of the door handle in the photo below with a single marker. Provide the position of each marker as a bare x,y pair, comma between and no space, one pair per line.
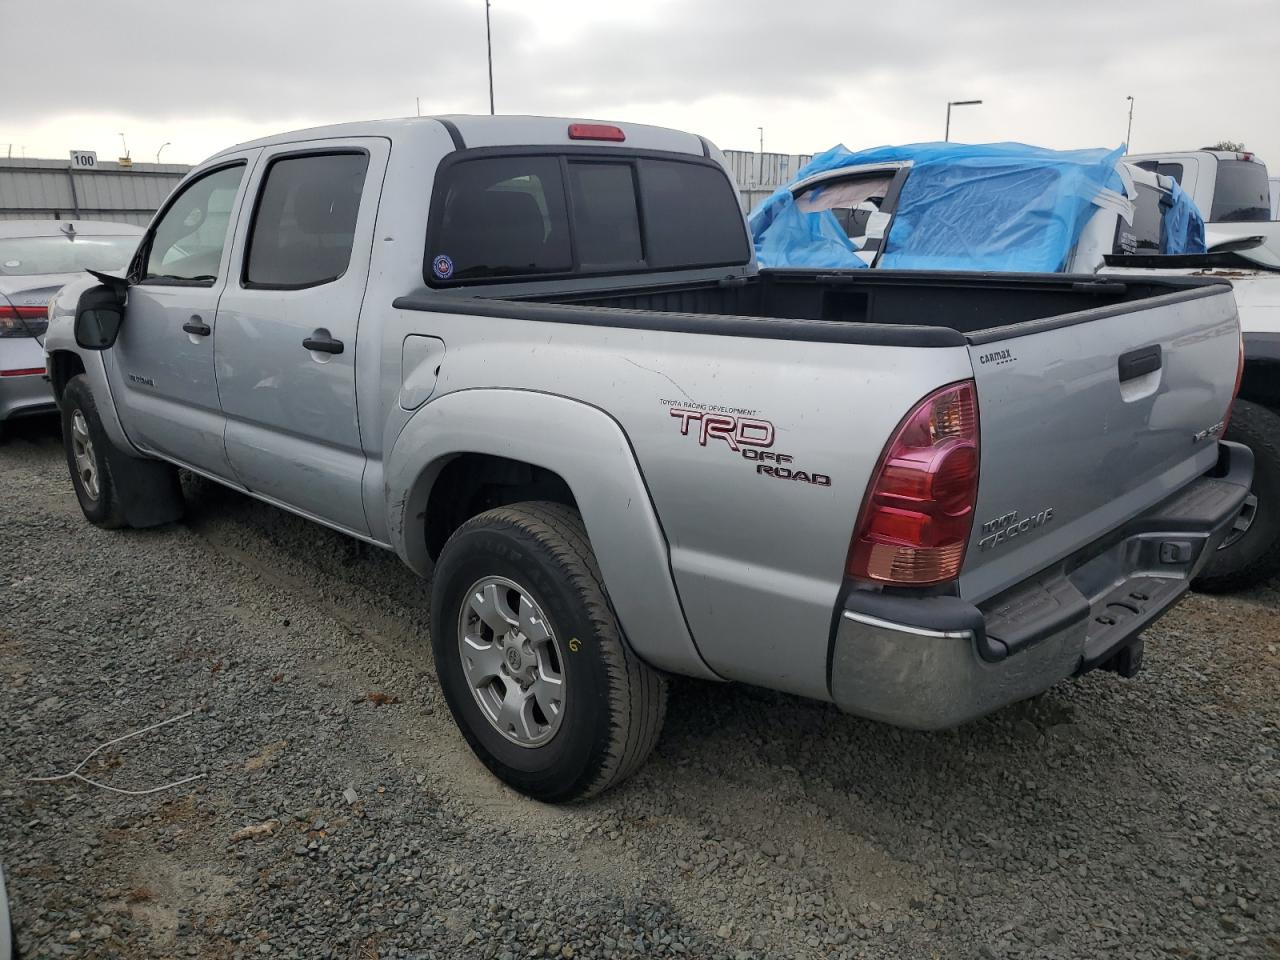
1135,363
197,327
322,342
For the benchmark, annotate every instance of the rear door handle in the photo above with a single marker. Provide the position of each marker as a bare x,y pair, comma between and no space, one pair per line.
1138,362
322,342
197,327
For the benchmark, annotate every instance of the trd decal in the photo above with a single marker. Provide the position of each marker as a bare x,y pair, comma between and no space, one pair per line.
737,432
745,434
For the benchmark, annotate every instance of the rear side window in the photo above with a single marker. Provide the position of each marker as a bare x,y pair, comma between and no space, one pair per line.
1240,192
1173,170
305,221
514,217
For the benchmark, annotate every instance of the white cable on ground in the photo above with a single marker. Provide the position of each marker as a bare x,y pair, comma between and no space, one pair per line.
75,773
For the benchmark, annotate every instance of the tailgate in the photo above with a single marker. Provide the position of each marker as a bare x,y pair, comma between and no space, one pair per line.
1090,418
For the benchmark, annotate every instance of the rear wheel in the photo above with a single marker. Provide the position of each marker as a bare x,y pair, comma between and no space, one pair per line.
1251,553
531,660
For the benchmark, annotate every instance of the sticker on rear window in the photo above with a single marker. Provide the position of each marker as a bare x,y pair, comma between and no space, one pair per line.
442,267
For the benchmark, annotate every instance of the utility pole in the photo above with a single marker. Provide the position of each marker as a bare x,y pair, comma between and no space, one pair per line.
1128,136
417,105
488,40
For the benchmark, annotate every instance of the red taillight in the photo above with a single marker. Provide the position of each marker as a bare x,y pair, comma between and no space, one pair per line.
916,519
26,313
22,321
596,131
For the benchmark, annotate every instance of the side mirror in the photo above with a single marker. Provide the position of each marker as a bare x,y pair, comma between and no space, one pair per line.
98,317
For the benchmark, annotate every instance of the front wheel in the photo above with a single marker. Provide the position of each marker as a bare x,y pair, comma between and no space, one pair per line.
531,659
1251,555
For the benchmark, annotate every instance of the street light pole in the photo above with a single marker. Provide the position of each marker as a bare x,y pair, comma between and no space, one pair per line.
1128,136
488,40
946,137
161,150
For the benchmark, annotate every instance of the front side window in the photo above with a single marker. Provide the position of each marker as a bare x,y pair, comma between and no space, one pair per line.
852,201
1240,193
305,223
1143,236
188,241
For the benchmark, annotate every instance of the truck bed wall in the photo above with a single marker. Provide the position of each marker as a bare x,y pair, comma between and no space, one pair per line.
962,302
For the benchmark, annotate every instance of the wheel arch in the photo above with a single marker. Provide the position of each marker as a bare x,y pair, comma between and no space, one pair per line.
555,448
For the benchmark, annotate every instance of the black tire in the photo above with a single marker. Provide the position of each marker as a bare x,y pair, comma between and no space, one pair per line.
1255,557
103,508
614,703
132,492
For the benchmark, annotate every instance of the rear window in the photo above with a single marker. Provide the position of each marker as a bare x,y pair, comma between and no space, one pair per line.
1240,192
28,256
519,216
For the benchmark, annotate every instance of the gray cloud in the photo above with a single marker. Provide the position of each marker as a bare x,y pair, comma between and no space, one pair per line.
1052,71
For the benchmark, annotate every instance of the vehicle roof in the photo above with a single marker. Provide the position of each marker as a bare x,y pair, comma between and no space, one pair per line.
57,228
488,131
1216,154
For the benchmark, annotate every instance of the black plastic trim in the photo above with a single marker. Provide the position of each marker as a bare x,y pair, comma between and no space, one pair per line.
706,147
766,328
454,134
1230,260
1196,290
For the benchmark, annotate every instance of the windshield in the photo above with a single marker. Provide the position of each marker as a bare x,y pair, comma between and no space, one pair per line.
1240,193
26,256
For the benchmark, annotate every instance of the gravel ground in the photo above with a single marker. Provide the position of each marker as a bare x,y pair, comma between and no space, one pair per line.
341,815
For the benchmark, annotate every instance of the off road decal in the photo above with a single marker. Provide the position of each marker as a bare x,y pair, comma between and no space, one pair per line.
743,433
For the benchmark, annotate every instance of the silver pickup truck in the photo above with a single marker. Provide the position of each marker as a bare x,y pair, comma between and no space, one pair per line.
535,358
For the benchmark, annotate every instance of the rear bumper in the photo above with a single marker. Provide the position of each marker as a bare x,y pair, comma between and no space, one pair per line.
932,663
24,395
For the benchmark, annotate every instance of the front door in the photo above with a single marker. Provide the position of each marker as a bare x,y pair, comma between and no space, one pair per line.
162,364
286,352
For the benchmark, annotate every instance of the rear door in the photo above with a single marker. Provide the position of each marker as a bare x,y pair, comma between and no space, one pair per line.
286,351
1085,424
162,364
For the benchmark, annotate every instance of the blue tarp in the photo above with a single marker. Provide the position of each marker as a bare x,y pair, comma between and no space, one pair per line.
992,206
1181,225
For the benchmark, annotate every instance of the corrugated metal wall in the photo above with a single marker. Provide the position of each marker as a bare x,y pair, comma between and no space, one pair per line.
49,189
759,174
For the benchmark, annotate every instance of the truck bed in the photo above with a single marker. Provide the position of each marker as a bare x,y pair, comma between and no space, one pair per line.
968,304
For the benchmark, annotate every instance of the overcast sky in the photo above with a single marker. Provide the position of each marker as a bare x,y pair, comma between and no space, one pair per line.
203,75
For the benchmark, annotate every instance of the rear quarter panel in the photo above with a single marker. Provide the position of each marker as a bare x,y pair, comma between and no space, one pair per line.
757,560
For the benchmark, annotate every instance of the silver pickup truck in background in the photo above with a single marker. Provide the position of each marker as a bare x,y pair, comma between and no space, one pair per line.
535,358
